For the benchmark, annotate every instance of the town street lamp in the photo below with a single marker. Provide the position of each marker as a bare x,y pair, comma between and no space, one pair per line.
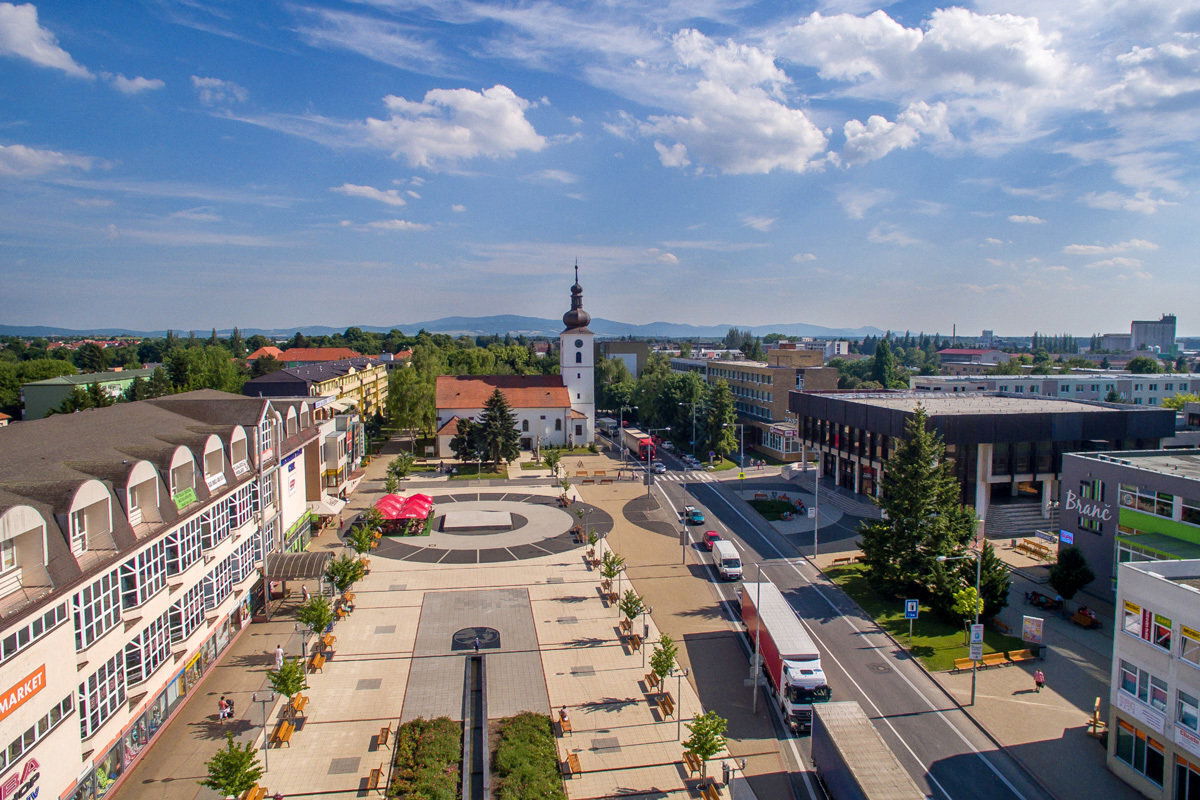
645,632
978,556
265,698
693,442
680,674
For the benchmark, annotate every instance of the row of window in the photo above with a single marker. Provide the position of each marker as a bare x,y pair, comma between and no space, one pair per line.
1142,752
101,695
1160,504
1158,630
19,639
39,730
147,651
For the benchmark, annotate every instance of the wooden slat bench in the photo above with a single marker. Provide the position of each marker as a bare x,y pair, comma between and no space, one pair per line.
375,779
605,480
842,560
626,625
635,642
995,660
283,734
571,767
651,680
1021,655
255,792
961,664
564,725
342,613
692,762
317,663
366,562
709,791
666,706
328,641
381,738
297,704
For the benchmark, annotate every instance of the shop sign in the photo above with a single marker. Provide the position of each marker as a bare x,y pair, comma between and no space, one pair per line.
1032,629
16,696
1191,633
22,785
1144,713
1088,508
1187,740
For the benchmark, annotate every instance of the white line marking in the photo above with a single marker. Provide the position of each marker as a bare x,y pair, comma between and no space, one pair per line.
938,712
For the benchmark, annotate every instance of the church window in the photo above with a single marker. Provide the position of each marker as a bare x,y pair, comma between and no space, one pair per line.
577,375
579,430
558,424
525,425
579,358
579,342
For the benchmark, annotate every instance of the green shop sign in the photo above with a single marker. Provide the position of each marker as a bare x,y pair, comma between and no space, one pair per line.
184,498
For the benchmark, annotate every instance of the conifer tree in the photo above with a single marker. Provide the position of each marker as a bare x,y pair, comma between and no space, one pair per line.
498,429
720,434
923,515
884,367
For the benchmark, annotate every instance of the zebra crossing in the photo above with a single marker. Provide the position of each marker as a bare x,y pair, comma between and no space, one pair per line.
687,477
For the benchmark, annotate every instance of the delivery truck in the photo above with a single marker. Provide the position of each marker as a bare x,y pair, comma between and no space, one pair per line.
639,444
789,656
852,760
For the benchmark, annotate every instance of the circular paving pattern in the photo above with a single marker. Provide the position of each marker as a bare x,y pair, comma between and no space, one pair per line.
540,528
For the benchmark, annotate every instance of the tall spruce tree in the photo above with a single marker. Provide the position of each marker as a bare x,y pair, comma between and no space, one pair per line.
923,515
498,430
719,430
883,368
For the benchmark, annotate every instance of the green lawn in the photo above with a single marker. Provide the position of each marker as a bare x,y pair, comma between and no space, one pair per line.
936,643
723,464
772,510
533,465
471,472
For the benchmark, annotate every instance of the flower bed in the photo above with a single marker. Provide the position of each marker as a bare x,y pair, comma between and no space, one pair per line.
526,762
428,753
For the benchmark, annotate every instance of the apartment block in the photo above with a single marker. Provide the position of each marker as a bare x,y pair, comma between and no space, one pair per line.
133,541
353,383
1154,708
1139,390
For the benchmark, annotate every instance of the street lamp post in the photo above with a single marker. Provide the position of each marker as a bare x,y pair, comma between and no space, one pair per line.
685,541
680,674
693,442
978,604
645,632
265,698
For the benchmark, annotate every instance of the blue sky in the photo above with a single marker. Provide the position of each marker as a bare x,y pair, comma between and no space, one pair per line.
1003,164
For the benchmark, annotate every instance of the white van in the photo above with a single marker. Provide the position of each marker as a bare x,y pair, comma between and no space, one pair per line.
726,560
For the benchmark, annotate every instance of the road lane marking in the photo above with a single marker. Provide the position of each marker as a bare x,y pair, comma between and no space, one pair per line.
939,712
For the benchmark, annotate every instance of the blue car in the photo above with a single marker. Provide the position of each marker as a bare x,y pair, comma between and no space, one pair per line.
693,515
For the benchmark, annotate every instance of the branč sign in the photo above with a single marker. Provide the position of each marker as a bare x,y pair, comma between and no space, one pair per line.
1088,508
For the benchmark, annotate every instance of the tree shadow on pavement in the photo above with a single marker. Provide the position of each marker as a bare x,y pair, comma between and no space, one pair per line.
586,641
610,704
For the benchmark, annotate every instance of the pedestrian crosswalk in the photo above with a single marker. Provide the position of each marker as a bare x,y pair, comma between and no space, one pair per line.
687,477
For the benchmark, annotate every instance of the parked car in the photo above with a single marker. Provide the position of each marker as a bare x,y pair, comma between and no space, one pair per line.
709,538
668,446
693,515
658,467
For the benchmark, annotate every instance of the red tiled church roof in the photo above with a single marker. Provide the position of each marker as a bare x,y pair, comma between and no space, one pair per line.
521,391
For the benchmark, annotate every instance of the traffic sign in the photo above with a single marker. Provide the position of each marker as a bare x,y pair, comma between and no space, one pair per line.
911,607
977,633
742,475
977,651
812,513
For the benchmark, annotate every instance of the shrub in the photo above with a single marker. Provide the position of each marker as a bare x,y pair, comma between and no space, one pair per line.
428,754
526,762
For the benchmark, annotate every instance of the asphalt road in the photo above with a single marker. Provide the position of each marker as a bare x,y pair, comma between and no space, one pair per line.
943,750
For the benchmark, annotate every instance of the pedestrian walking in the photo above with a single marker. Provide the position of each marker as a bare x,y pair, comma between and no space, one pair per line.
1039,679
304,592
476,643
222,708
278,656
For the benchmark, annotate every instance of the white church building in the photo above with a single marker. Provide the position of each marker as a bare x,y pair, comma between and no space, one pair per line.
551,410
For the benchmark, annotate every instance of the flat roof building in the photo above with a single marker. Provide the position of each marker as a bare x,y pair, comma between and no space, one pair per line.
39,398
1148,390
1005,448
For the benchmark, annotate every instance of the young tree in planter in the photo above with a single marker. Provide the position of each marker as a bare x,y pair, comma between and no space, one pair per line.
316,614
611,565
662,659
289,680
707,739
401,465
552,458
631,605
390,484
1071,573
498,430
360,537
345,571
233,769
923,516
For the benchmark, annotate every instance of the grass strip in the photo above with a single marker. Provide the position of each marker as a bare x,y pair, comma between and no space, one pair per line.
428,755
526,762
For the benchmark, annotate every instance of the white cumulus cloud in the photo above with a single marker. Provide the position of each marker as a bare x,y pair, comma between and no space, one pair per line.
878,137
391,197
554,176
23,162
455,124
856,202
458,208
1123,262
214,91
22,36
761,224
1141,202
1102,249
800,258
1026,219
397,225
134,85
885,233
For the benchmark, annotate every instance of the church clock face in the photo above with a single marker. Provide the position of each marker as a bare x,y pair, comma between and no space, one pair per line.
579,342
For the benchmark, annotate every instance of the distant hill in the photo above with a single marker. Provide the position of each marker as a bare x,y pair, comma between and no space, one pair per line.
482,326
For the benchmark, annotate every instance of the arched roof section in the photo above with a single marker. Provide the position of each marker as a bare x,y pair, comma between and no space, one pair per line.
140,472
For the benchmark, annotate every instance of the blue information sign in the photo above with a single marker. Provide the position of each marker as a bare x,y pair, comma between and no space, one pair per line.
910,609
1066,537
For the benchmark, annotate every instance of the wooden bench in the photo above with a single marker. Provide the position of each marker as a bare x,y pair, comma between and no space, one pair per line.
588,480
666,706
374,544
381,738
1084,621
374,779
961,664
651,680
366,562
760,495
709,791
635,642
342,613
564,725
348,597
842,560
570,767
605,480
255,792
297,704
995,660
283,734
692,762
328,641
1021,655
627,625
317,663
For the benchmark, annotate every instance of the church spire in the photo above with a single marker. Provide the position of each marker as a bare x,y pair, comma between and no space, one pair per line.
576,317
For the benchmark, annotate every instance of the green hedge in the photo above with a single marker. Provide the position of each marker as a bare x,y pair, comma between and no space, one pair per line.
526,763
428,754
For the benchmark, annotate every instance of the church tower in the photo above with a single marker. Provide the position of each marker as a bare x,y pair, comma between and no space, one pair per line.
577,364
